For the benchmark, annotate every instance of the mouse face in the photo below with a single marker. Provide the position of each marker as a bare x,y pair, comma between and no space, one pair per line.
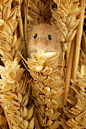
45,37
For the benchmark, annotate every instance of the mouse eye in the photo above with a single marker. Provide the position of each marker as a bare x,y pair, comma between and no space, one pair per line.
35,36
49,37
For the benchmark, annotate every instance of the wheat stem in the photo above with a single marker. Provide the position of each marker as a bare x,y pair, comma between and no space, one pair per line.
78,40
68,52
68,73
21,32
6,115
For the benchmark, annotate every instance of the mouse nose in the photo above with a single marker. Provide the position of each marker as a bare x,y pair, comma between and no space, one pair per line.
41,45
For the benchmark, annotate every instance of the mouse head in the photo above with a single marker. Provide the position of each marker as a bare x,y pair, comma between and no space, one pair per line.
45,37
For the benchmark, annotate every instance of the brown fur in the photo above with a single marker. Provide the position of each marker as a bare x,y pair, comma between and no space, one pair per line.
42,31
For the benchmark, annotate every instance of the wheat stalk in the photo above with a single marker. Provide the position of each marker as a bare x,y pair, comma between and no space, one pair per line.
76,113
38,12
13,85
47,85
78,40
14,96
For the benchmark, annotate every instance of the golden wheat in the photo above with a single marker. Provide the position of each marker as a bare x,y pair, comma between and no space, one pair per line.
38,12
14,96
47,87
76,111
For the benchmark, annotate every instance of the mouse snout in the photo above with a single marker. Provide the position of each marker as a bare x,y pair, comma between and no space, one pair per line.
41,45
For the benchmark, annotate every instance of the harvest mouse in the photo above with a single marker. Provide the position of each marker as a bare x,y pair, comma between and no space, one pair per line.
45,37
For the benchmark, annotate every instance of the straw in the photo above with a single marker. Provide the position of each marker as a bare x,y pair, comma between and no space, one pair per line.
6,115
68,52
21,32
78,40
20,23
74,54
25,22
68,73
